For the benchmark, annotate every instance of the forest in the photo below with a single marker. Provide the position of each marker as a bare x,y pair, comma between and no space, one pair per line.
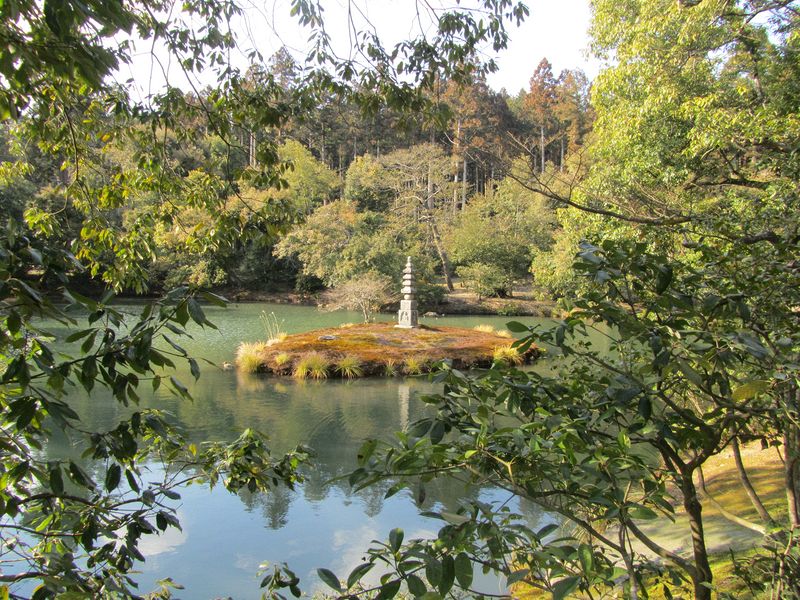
659,201
374,187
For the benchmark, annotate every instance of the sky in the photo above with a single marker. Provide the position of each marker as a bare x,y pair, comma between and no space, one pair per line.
554,30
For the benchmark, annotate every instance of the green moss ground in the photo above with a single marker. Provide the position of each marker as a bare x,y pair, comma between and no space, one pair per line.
380,348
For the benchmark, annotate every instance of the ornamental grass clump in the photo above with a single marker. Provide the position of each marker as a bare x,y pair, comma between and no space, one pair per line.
508,355
282,359
390,367
413,365
483,328
250,357
349,367
312,365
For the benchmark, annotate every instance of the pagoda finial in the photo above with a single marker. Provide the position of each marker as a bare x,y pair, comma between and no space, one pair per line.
407,316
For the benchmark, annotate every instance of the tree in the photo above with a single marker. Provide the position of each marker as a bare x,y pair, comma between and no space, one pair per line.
417,177
366,293
75,534
695,177
540,102
310,182
337,243
527,224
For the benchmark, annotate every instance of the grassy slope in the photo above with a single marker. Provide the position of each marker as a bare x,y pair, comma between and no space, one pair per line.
722,482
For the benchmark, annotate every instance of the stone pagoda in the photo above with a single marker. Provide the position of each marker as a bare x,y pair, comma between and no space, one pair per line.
407,317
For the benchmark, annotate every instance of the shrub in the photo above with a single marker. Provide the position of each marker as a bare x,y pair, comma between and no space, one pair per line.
305,285
430,295
250,357
365,293
349,367
313,365
509,309
485,280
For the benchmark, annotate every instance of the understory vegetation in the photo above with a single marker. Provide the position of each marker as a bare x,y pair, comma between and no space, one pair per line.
658,203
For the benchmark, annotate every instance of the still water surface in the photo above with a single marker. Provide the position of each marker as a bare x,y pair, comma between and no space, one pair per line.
226,537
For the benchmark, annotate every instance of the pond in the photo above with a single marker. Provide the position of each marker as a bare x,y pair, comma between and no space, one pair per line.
225,537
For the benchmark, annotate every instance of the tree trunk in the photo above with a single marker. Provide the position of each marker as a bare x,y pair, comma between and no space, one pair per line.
437,242
791,445
252,149
464,185
455,191
748,486
541,146
429,200
694,510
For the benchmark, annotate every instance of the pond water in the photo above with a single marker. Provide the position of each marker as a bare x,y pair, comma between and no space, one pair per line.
226,537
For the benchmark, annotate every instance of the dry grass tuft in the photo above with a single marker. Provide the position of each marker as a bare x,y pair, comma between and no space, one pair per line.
313,365
414,365
349,367
282,359
250,356
390,367
484,328
507,355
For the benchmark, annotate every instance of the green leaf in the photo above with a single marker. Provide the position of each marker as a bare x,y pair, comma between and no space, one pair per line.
396,539
516,327
689,372
586,556
215,299
749,389
194,368
664,278
516,576
113,476
416,586
546,530
78,335
565,586
645,407
357,573
448,575
463,567
329,578
433,570
56,480
388,590
642,512
196,312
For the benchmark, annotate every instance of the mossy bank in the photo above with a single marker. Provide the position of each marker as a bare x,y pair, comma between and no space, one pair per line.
378,349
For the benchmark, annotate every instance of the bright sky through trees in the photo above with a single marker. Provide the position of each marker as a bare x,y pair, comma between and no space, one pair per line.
557,31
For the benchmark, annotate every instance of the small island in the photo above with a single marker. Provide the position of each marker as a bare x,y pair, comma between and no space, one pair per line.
405,348
379,349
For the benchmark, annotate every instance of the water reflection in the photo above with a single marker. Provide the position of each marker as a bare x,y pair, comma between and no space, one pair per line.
226,537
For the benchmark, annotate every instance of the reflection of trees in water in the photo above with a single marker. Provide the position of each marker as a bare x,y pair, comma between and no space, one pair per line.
333,417
274,506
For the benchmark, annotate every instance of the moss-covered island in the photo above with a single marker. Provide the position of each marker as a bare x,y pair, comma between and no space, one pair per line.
378,349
